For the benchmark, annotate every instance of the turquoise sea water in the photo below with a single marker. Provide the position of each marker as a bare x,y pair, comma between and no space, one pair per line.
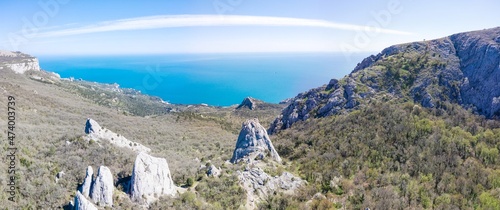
215,79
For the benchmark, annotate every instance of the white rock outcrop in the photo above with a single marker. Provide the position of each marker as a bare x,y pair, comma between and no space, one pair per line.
258,185
253,142
59,175
150,179
96,132
213,171
24,65
87,183
81,203
18,62
102,188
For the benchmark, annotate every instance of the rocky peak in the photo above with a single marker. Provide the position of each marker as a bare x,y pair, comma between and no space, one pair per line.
102,187
95,132
250,103
150,179
253,142
85,188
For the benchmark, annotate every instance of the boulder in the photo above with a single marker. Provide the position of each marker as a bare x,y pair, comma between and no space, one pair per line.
87,183
59,175
253,142
81,203
95,132
213,171
150,179
259,185
102,189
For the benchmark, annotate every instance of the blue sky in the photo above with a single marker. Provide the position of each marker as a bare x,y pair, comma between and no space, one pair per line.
63,27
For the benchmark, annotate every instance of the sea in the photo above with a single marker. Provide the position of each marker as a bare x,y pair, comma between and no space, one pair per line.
213,79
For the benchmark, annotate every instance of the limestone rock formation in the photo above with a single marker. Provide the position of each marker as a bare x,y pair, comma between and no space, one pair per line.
150,178
102,188
18,62
87,183
479,54
253,142
213,171
463,68
59,175
259,184
96,132
250,103
81,203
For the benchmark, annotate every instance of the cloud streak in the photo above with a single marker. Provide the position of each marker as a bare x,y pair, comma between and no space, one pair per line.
175,21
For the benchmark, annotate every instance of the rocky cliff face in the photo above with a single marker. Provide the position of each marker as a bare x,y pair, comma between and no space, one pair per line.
253,142
150,179
463,68
95,132
18,62
102,189
479,54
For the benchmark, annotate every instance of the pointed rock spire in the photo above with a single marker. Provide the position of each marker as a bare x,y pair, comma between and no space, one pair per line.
85,188
102,189
253,142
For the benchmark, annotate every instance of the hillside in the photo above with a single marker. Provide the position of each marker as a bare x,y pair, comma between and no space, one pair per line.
51,114
462,68
413,127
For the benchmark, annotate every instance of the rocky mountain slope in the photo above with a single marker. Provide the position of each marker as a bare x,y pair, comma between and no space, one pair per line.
463,68
413,127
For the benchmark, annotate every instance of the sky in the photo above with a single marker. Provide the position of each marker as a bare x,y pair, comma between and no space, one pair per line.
113,27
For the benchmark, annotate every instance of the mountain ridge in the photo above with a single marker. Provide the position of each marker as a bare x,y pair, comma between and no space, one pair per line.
463,68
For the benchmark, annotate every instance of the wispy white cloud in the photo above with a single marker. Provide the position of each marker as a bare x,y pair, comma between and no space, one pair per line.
172,21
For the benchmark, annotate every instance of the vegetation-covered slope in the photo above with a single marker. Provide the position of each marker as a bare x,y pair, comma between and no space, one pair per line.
398,155
412,127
